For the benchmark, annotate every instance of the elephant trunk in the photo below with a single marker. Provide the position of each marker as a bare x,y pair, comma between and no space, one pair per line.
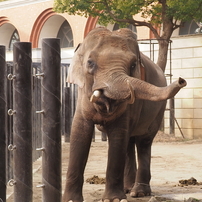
147,91
131,88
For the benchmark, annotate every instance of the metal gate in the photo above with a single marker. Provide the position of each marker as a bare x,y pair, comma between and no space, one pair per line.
68,99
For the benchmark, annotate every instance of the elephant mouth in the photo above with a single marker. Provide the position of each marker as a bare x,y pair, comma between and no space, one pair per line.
113,95
105,105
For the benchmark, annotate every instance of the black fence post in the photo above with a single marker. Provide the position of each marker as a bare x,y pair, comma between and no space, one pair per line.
51,119
3,116
22,120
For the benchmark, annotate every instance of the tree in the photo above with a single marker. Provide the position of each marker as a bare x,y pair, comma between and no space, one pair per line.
165,14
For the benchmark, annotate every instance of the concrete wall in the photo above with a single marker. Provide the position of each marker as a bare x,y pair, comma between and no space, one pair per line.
186,53
187,63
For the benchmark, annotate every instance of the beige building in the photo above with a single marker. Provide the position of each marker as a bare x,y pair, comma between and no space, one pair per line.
33,20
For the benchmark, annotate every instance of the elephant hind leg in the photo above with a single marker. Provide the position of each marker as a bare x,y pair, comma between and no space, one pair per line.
140,190
141,187
130,168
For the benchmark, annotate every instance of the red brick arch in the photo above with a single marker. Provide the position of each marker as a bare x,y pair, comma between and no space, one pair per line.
38,25
3,20
91,23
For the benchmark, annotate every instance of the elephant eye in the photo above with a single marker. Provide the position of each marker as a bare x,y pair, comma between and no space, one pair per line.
91,66
133,65
132,68
90,63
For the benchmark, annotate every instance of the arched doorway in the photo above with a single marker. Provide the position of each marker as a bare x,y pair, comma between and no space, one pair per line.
65,35
51,25
9,35
14,38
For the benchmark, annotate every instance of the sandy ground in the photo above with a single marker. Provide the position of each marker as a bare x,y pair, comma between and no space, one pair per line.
171,161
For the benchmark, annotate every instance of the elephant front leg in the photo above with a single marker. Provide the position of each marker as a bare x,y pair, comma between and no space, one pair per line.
114,189
141,187
130,168
80,141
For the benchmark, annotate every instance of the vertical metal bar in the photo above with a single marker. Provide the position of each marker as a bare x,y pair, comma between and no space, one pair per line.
153,51
63,99
51,130
22,122
72,100
34,133
9,138
170,62
67,94
37,107
2,124
172,116
150,46
172,100
104,136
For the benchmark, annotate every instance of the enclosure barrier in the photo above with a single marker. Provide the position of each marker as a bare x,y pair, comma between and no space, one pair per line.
2,124
67,118
22,122
22,115
51,113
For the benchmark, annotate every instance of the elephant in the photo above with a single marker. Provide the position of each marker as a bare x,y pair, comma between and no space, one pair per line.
123,93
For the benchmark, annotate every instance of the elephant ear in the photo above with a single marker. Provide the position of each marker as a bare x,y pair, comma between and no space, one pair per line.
75,71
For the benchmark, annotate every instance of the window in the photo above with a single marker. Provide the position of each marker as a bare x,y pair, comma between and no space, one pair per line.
191,27
14,38
65,35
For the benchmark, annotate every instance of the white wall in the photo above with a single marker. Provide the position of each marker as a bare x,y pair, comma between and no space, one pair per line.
186,63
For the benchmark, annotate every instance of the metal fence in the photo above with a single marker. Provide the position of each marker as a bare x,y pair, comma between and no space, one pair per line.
68,99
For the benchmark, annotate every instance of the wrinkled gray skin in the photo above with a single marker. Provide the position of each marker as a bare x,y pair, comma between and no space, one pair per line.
128,109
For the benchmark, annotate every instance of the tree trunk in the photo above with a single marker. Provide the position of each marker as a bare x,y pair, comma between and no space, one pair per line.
163,54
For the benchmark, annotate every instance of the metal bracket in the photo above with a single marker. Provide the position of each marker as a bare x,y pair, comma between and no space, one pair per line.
40,112
40,186
40,74
11,77
40,149
12,182
11,147
11,112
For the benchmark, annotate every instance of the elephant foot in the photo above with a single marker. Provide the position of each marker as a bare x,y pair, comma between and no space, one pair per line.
115,200
72,199
127,189
114,196
140,190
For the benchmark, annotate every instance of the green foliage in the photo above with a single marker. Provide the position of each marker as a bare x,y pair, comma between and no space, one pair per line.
170,14
109,11
185,10
122,11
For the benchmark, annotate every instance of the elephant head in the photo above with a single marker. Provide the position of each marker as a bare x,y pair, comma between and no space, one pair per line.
108,66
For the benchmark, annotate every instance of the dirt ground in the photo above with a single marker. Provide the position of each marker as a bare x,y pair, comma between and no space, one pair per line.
172,160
